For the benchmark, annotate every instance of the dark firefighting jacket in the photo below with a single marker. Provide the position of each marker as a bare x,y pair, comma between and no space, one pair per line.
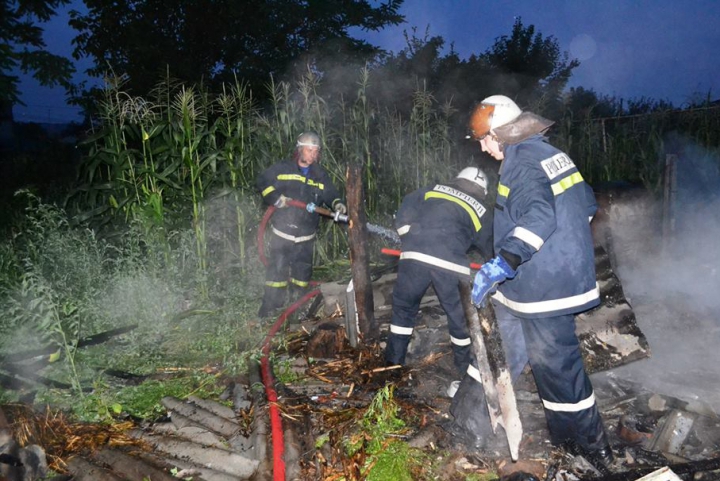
285,178
542,224
438,225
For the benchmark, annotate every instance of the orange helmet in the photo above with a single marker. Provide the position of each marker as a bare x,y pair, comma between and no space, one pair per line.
493,112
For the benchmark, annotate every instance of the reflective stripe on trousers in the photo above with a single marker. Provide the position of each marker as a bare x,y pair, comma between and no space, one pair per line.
413,280
563,385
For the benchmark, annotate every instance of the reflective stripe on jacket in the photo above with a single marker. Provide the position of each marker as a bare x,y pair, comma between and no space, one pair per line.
286,178
438,225
541,216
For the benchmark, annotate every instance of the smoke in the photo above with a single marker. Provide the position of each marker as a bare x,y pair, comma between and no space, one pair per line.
672,280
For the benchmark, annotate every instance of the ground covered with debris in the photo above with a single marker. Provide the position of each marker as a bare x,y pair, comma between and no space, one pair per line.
652,352
647,430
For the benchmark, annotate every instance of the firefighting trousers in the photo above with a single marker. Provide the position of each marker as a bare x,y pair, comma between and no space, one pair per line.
413,280
289,268
564,387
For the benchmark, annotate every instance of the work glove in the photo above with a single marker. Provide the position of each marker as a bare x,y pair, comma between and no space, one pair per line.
340,208
488,277
282,202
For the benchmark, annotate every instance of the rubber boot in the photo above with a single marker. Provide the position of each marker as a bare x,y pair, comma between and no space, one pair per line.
471,424
274,299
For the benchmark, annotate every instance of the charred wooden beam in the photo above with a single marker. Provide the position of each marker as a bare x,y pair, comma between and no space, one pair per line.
359,256
494,371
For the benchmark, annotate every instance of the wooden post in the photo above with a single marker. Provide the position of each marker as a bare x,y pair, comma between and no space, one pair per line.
359,258
494,371
669,192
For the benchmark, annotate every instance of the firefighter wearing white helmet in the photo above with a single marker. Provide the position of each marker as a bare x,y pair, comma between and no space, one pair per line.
475,175
544,269
499,120
438,224
293,229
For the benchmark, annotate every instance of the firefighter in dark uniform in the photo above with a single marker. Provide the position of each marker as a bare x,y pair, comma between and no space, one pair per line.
293,229
544,269
437,226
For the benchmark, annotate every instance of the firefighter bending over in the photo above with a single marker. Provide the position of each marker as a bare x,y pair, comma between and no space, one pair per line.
544,269
293,229
437,226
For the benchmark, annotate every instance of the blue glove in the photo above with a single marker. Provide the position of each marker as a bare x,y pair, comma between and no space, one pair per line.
492,273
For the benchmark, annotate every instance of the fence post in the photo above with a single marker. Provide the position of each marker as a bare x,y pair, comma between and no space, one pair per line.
359,257
669,194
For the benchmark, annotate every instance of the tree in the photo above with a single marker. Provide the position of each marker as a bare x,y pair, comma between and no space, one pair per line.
532,69
22,48
524,65
215,41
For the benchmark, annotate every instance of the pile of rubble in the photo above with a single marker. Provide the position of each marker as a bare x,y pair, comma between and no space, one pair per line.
199,439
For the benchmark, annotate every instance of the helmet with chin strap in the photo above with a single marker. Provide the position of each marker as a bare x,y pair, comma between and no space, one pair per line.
493,112
474,175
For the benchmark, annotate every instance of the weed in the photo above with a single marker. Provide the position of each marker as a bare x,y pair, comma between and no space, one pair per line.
387,457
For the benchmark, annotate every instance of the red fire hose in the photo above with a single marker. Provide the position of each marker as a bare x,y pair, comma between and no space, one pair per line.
396,253
261,234
278,439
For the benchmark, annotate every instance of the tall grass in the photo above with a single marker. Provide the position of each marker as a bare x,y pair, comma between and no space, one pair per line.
187,157
160,161
633,148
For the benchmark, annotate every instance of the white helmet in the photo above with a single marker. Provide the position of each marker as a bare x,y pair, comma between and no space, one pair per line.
308,139
474,175
493,112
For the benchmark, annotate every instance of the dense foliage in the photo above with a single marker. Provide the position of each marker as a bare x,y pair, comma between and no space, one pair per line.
215,41
23,49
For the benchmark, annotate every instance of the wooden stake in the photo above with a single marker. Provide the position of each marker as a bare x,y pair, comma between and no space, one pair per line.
359,257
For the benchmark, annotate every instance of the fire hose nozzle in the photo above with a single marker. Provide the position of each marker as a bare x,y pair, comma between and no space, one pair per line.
338,217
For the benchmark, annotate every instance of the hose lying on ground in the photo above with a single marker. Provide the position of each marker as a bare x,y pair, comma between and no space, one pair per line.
278,439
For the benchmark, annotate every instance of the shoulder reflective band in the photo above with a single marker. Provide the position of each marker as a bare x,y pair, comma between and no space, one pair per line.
268,190
471,212
302,179
503,190
567,182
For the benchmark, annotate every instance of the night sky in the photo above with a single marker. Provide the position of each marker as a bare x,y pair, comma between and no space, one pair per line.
661,49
